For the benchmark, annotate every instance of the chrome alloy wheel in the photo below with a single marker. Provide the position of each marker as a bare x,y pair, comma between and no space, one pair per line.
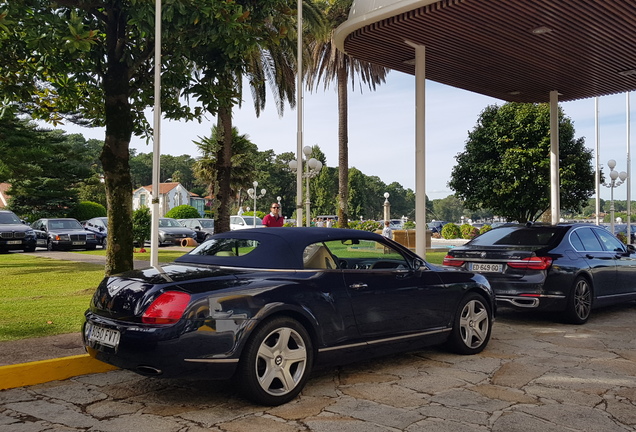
474,324
281,361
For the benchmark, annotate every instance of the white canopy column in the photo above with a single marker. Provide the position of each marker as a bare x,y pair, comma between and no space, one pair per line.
420,149
554,158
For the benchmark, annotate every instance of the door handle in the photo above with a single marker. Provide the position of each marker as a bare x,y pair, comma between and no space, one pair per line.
358,286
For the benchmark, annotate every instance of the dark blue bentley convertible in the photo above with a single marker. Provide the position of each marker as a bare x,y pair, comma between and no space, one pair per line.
266,305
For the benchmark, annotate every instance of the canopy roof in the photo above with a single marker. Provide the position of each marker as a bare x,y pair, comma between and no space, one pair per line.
514,50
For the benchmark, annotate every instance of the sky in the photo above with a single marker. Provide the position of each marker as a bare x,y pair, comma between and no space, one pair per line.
382,130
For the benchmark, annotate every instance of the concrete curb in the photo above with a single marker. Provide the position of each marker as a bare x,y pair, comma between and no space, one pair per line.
38,372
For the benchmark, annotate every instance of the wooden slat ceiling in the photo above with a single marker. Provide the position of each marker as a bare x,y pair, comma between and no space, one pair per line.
489,47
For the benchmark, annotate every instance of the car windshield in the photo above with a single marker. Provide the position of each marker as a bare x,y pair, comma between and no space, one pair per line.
249,220
169,223
516,236
65,224
9,218
206,223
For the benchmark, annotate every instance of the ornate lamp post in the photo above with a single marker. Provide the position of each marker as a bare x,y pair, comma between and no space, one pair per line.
254,194
312,169
387,207
614,175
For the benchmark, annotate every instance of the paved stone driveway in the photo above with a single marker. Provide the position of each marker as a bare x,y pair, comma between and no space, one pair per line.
536,375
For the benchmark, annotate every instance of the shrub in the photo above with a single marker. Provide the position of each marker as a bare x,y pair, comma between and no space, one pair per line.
259,214
141,225
468,231
622,237
183,212
87,210
484,229
451,231
409,225
368,225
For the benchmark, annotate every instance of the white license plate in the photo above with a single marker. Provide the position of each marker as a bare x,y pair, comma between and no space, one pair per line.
486,268
79,243
41,242
14,242
103,336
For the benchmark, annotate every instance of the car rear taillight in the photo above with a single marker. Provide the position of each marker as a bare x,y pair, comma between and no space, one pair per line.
454,262
167,308
532,263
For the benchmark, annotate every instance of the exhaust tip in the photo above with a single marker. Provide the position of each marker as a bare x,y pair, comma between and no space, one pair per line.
148,371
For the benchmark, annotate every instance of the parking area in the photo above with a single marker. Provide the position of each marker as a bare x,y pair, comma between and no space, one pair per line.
535,375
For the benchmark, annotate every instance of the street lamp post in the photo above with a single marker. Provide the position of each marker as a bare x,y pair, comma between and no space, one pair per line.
312,168
614,175
253,193
280,210
387,207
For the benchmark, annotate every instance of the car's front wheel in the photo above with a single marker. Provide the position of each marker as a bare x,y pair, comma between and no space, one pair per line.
579,305
472,325
276,362
50,246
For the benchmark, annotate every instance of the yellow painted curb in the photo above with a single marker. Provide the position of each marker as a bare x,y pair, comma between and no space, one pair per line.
39,372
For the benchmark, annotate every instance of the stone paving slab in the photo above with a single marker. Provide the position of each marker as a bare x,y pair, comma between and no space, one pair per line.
537,375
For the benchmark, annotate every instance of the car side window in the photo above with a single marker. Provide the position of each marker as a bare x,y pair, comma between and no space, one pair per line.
587,238
609,242
358,254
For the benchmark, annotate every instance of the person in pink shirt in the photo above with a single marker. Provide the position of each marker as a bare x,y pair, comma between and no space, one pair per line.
274,219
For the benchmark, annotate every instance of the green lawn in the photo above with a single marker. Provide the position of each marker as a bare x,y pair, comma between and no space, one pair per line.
43,297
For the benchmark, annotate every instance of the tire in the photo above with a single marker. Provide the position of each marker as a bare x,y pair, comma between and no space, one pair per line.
50,246
472,326
276,362
579,304
29,249
91,247
104,243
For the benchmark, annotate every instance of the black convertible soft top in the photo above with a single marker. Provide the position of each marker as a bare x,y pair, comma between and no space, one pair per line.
278,248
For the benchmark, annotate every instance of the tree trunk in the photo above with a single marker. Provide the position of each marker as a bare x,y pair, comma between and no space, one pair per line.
343,150
224,170
115,154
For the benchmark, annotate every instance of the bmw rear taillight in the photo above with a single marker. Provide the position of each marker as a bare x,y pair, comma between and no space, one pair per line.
454,262
168,308
532,263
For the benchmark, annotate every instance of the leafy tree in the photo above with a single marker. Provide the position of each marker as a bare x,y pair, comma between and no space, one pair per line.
184,211
92,61
44,168
329,65
506,163
449,209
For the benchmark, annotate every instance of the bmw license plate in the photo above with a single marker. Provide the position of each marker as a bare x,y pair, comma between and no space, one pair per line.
103,336
486,267
14,242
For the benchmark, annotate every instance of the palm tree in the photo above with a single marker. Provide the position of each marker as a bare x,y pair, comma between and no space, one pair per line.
328,64
271,62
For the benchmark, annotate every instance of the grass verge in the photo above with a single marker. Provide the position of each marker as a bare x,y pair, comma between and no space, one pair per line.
44,297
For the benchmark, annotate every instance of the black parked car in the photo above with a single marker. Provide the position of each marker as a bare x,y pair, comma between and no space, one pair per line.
569,268
173,233
14,234
203,227
65,234
265,305
98,226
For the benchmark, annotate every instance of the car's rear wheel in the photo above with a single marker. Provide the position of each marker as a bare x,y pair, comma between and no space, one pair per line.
579,305
276,362
472,325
